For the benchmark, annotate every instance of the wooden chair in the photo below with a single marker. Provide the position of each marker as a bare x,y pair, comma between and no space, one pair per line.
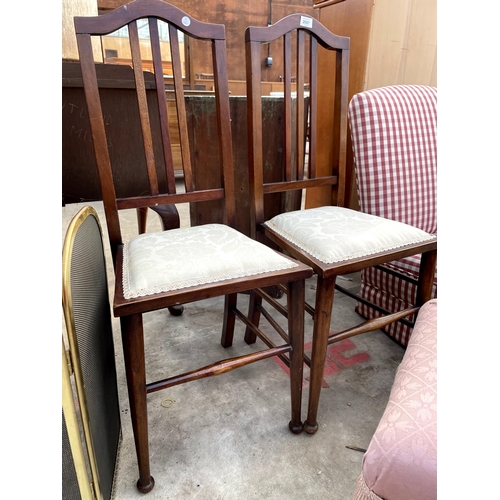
333,240
394,140
157,270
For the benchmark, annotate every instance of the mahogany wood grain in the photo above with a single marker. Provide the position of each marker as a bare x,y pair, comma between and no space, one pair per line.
325,290
218,368
329,178
161,196
371,325
236,16
162,104
135,369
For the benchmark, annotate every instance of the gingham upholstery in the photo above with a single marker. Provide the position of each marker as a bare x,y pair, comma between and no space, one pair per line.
393,131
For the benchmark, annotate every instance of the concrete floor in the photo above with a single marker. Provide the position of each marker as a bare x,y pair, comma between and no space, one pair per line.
227,437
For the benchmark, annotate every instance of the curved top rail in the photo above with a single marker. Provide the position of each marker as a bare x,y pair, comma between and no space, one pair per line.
112,21
297,21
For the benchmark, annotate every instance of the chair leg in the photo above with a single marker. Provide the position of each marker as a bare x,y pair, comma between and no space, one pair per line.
254,315
229,320
426,277
135,368
322,318
296,297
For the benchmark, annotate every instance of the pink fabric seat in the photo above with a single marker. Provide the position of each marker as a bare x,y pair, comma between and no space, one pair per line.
401,460
393,131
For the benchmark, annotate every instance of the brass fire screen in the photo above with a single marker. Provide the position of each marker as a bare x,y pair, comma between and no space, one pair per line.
91,416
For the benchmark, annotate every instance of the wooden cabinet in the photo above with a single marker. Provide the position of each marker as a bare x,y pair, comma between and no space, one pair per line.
392,42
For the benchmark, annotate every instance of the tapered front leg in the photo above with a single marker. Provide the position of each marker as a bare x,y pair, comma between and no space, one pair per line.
296,297
322,319
135,368
229,320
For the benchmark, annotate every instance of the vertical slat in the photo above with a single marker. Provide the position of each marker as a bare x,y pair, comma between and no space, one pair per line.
224,127
162,104
143,107
181,108
254,127
300,103
99,139
313,107
341,104
287,58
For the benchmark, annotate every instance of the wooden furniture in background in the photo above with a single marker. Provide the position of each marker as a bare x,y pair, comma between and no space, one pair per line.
202,117
236,16
80,182
158,270
70,9
333,240
392,42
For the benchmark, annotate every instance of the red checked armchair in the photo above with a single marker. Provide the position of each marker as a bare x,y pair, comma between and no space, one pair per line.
393,132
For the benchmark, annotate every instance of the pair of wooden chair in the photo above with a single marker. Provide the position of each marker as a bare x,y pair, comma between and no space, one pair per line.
167,269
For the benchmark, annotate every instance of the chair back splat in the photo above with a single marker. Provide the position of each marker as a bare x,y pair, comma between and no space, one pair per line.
332,239
179,265
300,97
157,13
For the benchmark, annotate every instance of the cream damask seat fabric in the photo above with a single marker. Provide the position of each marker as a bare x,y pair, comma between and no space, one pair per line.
180,258
336,234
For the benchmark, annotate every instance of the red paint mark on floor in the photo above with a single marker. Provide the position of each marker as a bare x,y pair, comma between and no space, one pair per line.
336,359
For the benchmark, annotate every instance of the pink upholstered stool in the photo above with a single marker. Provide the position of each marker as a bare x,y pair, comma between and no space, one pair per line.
401,460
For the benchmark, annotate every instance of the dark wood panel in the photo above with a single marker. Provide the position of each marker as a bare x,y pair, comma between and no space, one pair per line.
201,111
80,180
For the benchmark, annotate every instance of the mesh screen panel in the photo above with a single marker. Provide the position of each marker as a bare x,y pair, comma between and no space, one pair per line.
70,488
90,300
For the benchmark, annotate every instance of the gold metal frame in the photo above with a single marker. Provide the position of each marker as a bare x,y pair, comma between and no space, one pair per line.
89,486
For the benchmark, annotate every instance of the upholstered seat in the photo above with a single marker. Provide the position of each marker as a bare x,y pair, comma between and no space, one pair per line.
401,460
393,132
157,262
336,234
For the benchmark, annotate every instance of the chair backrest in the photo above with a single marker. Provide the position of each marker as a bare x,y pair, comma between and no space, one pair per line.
162,186
393,132
303,39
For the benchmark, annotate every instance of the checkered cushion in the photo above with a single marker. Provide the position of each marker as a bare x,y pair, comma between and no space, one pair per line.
393,132
391,293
